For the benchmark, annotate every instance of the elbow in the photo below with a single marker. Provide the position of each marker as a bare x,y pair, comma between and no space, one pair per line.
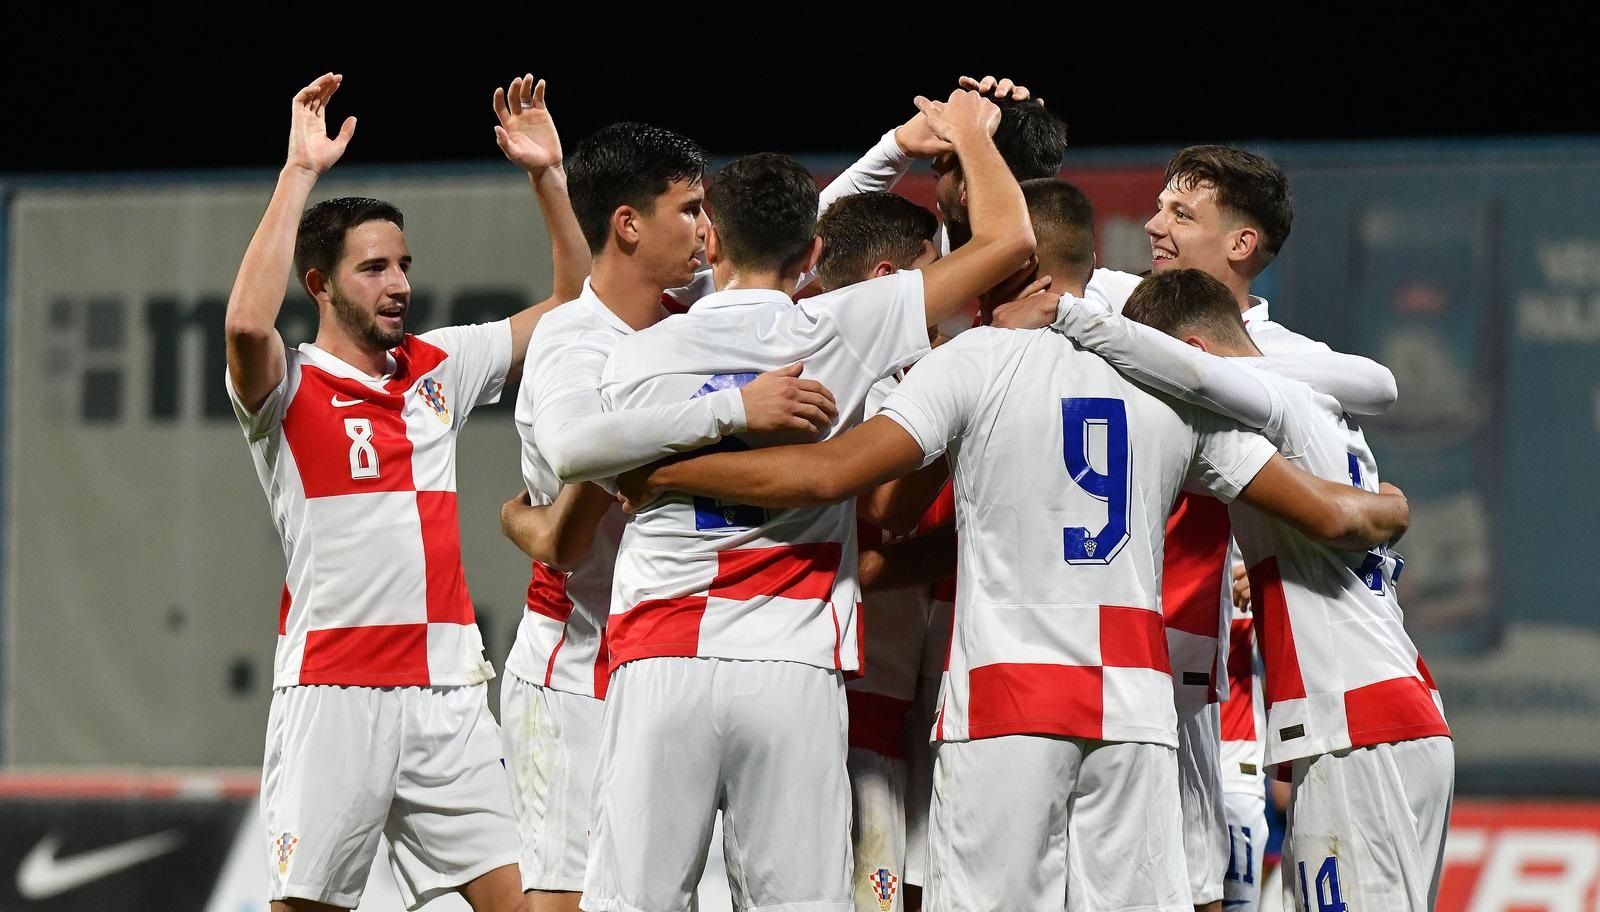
241,329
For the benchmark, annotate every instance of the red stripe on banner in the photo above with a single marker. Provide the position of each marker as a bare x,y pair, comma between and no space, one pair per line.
656,628
1277,638
1193,560
790,571
358,447
1133,638
1238,713
547,593
448,602
283,611
1400,709
1019,699
877,722
387,655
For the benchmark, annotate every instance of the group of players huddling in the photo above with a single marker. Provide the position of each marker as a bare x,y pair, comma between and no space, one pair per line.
963,623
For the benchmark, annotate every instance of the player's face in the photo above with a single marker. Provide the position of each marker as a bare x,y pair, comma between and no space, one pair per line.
1190,231
672,238
369,290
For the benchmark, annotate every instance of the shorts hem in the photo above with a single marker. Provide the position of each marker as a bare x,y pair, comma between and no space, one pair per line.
460,879
808,906
543,884
290,891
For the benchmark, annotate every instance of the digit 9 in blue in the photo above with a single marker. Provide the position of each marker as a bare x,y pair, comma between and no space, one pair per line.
1078,416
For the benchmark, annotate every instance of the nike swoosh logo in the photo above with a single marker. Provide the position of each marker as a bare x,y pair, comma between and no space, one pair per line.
43,875
345,403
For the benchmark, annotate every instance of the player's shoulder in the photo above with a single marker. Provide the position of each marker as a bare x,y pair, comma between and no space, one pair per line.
1111,287
890,286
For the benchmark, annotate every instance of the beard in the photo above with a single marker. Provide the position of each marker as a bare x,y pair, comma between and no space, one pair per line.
361,325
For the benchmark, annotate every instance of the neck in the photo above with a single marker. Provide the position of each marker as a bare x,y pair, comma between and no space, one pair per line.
1236,348
1064,279
730,276
634,297
1240,286
333,340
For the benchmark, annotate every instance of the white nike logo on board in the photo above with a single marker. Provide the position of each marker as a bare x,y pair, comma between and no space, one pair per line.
345,403
43,875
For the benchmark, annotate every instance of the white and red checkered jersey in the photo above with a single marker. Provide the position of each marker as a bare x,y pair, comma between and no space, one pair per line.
561,638
697,577
360,473
1243,714
893,624
1194,592
1341,671
1065,474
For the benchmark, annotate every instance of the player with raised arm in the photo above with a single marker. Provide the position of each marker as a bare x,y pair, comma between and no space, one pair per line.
378,724
1352,713
637,191
731,628
1056,780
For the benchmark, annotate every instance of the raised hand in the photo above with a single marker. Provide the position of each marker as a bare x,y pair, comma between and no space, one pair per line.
997,88
917,139
963,110
780,401
526,132
310,147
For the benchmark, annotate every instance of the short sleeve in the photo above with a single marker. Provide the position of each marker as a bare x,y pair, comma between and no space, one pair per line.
266,419
883,320
482,356
936,401
1227,455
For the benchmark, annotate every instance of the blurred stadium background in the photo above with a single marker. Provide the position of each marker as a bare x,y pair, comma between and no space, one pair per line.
141,574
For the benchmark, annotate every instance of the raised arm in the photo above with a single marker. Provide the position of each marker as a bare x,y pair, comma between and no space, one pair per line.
1002,236
1339,515
527,135
1362,386
255,350
804,475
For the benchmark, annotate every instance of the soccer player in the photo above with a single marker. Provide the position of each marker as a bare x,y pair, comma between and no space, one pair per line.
378,724
730,627
1055,773
637,192
1352,713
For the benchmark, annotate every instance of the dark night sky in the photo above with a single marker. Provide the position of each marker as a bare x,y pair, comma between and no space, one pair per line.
133,93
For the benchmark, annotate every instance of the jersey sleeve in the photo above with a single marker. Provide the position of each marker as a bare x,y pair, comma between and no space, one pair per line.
880,168
1111,288
266,419
1227,455
883,320
1158,360
481,356
1361,385
936,402
582,441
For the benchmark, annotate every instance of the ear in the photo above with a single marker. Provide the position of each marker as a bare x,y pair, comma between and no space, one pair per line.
713,245
316,283
1246,240
808,264
1197,342
625,225
881,269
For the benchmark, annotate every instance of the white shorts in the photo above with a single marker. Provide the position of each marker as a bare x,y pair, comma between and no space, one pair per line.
1247,846
762,741
420,765
878,834
1205,831
1366,827
1033,822
552,743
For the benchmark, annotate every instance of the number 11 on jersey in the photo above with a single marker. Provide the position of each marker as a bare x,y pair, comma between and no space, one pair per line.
1082,420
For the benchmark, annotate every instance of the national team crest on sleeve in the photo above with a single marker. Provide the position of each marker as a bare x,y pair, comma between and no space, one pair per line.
883,883
282,849
433,394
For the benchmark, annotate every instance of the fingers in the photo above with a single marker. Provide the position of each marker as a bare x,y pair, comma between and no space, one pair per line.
1037,285
1004,88
792,370
927,106
502,139
514,96
535,92
823,404
346,131
501,112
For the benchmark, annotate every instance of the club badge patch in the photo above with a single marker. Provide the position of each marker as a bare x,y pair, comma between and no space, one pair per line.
282,849
883,884
433,394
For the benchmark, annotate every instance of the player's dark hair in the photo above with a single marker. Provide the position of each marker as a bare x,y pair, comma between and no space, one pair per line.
626,164
1187,302
319,242
764,207
862,230
1248,185
1063,226
1032,140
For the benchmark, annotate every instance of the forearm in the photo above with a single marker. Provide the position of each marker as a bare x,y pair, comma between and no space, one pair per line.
581,442
560,534
802,475
1362,385
921,560
898,505
262,280
1369,520
1002,236
569,252
1158,360
879,169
